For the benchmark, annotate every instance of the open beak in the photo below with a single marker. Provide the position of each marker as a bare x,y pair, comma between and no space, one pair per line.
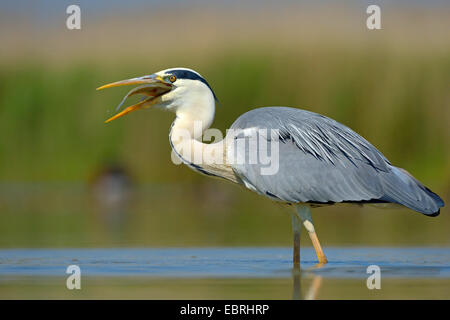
152,86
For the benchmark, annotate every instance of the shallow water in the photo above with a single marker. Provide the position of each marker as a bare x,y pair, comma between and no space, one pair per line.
215,273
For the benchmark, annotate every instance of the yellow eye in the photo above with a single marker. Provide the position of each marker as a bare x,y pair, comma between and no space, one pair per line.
172,78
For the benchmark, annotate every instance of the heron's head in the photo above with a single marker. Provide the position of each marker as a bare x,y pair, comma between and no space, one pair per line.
179,90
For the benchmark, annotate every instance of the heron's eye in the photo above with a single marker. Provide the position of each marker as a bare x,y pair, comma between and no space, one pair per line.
172,78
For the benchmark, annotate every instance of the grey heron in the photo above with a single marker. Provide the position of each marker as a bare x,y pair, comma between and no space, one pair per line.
320,161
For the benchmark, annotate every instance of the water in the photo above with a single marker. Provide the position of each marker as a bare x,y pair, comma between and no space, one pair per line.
225,273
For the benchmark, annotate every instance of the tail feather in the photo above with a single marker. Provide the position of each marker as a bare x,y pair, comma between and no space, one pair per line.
402,188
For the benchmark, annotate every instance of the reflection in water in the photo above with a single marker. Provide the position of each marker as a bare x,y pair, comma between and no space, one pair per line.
111,190
313,288
296,279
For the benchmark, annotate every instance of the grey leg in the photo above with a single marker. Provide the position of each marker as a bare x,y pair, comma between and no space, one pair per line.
296,228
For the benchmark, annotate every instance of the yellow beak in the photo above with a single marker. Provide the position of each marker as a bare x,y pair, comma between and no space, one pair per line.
127,110
153,87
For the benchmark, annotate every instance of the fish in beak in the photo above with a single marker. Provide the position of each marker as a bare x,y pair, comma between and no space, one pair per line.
151,86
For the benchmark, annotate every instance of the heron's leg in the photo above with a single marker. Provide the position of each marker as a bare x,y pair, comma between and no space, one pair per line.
305,215
296,228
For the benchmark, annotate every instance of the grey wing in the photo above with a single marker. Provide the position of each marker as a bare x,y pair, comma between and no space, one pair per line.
320,161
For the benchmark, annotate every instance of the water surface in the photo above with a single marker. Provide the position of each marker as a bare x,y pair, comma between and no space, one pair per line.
225,273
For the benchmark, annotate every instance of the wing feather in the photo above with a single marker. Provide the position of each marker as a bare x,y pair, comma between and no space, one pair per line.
323,161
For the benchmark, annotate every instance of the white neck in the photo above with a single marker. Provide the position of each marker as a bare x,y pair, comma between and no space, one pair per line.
185,139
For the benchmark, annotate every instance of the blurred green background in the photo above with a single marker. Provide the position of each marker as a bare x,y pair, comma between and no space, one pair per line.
389,85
